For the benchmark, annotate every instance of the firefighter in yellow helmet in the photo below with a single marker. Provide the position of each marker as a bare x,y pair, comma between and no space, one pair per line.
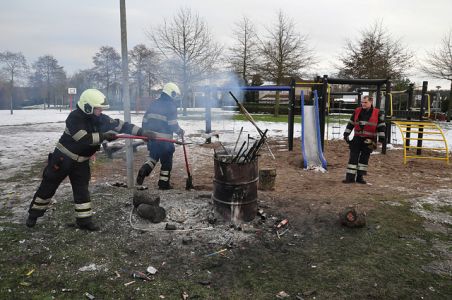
86,128
161,118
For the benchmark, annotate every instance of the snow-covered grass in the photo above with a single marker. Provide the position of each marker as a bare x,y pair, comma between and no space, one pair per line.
28,135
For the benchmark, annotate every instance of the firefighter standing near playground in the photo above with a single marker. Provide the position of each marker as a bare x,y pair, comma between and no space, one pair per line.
368,123
161,118
86,128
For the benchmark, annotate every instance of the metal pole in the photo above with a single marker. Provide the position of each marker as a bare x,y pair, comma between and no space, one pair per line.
410,96
12,92
408,108
291,113
387,118
449,109
208,115
378,104
423,100
421,116
322,109
125,90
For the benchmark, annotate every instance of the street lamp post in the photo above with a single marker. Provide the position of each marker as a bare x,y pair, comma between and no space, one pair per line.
125,90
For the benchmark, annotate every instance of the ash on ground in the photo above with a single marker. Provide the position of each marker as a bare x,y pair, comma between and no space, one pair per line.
192,214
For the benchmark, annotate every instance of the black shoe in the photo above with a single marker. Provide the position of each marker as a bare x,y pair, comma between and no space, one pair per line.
349,178
165,185
90,226
360,179
347,181
31,221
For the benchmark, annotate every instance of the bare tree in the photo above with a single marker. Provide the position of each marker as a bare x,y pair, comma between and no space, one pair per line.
82,80
48,76
187,45
152,71
15,65
375,54
145,68
285,53
107,69
439,65
244,53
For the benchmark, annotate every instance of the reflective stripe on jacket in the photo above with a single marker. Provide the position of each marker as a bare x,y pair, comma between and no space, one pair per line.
161,117
82,136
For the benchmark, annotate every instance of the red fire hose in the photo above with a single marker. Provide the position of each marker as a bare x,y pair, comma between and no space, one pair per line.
128,136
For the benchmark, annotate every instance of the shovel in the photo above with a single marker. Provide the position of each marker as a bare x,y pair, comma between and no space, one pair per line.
189,183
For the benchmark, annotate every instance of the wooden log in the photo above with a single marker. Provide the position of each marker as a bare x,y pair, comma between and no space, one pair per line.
267,178
155,214
352,218
146,197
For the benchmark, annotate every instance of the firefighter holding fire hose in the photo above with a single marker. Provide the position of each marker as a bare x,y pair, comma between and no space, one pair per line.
368,123
161,118
86,128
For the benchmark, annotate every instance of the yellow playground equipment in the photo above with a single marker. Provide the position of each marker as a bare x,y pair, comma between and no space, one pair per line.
425,131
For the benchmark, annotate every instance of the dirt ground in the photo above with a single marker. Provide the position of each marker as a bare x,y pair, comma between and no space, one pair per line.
402,252
298,191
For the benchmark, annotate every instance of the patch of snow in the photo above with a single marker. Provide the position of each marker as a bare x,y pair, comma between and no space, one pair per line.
436,200
90,267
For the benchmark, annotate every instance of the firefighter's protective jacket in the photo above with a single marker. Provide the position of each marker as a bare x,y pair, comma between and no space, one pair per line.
367,124
161,117
83,133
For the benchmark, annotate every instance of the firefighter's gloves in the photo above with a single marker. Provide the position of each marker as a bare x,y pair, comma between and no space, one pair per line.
371,144
149,135
181,132
108,136
347,138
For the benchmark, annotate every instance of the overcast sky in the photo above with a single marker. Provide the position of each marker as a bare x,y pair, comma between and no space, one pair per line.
74,30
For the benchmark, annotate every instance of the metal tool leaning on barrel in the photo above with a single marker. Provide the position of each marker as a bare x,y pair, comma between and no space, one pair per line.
86,128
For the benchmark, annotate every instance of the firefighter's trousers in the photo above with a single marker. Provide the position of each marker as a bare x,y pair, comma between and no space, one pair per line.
163,152
359,157
60,166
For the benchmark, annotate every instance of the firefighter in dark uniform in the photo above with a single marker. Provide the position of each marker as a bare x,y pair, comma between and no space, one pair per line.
368,123
86,128
161,118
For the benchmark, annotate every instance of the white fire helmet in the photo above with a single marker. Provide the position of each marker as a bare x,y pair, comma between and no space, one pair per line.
90,99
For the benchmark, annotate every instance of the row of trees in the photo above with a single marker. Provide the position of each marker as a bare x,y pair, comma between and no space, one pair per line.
46,82
184,51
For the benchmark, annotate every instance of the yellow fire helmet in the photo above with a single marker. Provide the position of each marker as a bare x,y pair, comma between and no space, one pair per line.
171,89
90,99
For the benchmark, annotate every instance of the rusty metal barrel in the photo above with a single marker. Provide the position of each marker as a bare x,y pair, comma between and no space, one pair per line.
235,190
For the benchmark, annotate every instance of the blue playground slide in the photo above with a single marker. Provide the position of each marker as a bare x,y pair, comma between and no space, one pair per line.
310,135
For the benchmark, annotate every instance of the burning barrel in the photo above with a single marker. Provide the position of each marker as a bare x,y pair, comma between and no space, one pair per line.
235,189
